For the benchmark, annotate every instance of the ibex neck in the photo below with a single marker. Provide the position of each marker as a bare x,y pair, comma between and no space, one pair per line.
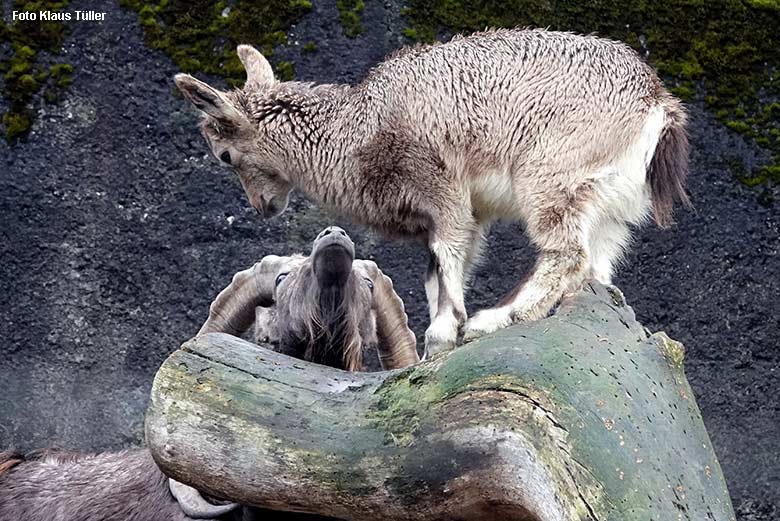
298,118
324,129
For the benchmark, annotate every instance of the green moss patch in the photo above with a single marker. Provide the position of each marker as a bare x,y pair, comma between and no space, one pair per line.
401,401
349,13
24,74
201,36
724,52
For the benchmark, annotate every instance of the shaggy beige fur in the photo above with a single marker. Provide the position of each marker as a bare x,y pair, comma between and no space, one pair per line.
574,136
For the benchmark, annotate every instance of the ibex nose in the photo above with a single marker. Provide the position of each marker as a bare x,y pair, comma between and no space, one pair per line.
262,207
333,229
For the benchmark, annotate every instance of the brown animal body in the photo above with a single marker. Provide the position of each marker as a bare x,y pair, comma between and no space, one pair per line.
573,136
117,486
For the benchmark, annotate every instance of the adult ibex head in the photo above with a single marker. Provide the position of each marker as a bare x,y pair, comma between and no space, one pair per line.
324,308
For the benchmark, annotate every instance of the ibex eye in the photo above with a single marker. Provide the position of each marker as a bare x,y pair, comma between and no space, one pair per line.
225,157
280,278
370,284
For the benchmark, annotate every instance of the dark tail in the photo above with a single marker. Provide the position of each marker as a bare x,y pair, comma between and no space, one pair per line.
669,165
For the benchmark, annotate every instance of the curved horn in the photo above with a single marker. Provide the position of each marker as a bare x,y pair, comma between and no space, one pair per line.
233,311
193,504
397,344
258,70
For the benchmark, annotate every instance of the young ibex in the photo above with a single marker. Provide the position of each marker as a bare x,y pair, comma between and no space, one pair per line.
325,308
573,135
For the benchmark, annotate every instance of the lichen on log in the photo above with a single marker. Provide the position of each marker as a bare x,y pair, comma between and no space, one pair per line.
578,416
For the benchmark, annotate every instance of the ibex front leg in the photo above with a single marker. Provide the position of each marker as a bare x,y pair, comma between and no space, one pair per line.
449,250
432,287
474,251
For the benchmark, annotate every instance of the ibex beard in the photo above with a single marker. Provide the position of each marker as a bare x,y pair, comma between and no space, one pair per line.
572,135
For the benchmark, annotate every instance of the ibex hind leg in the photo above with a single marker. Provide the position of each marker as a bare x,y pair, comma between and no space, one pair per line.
554,274
562,264
608,242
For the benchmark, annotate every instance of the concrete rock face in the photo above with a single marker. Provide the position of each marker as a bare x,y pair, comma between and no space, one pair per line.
119,229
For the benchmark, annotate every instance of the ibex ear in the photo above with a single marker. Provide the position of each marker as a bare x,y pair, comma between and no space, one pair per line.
209,100
258,70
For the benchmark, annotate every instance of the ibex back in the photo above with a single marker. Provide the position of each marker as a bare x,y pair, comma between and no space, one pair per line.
572,135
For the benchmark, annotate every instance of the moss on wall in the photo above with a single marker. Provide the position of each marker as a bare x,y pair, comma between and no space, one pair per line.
349,13
25,76
201,35
725,52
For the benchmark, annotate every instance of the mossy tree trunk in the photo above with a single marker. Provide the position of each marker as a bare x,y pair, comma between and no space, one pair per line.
578,416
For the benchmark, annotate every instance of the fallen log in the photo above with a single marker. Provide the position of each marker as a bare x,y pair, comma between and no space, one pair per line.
582,415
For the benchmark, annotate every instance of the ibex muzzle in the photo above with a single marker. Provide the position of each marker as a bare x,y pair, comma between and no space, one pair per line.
333,253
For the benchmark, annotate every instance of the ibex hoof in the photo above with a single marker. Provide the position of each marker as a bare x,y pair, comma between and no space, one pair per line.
485,322
438,340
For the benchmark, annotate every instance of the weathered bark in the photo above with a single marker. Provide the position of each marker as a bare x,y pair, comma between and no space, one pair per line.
578,416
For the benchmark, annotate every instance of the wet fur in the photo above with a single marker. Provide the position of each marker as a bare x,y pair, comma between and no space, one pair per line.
574,136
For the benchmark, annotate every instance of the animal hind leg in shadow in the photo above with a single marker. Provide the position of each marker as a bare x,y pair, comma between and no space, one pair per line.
559,232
